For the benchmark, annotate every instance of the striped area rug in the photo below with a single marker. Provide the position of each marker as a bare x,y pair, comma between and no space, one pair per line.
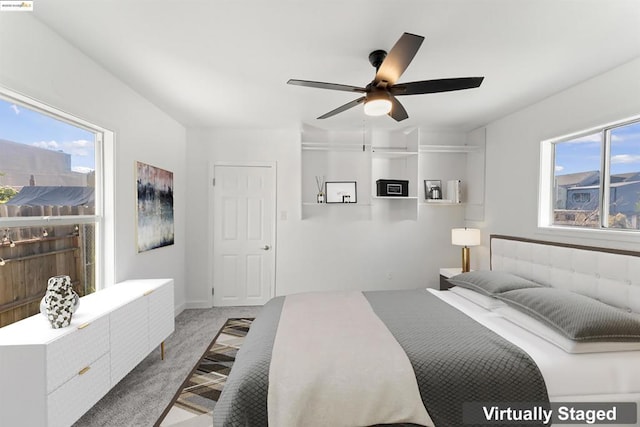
199,393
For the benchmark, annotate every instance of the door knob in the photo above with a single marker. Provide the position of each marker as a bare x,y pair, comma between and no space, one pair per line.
266,247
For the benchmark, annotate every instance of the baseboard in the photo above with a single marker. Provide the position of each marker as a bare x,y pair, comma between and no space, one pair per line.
179,309
198,304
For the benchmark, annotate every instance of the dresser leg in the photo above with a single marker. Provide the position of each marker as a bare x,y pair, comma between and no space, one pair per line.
162,350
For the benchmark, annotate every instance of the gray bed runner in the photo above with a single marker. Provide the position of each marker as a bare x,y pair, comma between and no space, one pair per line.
455,359
243,401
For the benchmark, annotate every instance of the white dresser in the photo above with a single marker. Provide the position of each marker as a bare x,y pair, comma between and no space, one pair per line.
51,377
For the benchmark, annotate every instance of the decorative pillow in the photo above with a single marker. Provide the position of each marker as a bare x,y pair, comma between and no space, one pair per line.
540,329
576,316
482,300
490,282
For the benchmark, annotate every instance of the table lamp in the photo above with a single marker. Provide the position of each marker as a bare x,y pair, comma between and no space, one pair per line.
465,237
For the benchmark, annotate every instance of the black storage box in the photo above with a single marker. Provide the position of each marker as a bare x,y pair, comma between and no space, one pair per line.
392,187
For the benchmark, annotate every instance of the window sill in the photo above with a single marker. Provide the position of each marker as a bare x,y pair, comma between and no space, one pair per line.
595,234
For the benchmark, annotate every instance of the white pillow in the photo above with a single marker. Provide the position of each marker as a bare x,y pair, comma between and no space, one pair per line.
483,301
543,331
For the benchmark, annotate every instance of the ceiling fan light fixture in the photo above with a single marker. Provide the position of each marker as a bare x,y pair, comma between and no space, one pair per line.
379,96
377,105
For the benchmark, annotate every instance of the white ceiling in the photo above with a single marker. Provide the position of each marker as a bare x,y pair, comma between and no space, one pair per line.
225,63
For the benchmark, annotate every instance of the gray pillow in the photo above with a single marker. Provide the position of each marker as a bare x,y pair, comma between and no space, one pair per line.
576,316
489,282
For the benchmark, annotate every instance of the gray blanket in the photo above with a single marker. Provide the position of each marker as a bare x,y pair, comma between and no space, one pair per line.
455,359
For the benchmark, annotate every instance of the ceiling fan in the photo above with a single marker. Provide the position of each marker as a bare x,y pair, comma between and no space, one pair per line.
379,96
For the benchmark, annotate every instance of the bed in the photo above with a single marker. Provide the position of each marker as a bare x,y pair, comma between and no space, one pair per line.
420,357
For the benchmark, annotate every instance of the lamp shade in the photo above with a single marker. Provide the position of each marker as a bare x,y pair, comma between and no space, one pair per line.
465,236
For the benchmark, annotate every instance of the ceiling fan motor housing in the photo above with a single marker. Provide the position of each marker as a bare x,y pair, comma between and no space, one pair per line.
377,93
376,57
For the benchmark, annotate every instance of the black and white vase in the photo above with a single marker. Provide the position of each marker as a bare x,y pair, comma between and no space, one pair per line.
59,302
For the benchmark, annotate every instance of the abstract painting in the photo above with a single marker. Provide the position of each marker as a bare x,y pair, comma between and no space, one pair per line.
155,207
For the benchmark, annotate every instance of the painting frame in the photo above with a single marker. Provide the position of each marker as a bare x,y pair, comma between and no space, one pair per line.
155,226
336,191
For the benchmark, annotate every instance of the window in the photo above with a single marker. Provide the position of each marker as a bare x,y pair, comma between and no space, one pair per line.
581,197
51,204
592,180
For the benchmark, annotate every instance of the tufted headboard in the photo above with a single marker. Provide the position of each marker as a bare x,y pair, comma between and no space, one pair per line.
609,275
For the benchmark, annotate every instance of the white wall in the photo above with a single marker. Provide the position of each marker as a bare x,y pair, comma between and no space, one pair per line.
513,153
317,253
37,63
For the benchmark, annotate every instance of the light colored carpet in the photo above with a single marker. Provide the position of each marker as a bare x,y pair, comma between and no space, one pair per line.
140,398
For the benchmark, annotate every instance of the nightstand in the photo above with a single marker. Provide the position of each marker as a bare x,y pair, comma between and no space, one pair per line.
446,273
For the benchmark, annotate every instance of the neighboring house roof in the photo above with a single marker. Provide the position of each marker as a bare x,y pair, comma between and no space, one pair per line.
595,187
579,178
585,179
631,176
53,196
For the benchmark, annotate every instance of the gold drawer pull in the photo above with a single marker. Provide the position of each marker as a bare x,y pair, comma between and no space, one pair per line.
84,325
148,292
84,370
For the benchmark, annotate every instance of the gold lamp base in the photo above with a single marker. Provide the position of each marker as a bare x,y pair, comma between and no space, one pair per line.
466,259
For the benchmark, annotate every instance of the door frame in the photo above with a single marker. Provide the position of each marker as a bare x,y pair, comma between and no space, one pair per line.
211,238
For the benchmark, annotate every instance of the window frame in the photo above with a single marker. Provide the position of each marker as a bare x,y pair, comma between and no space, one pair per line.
546,186
104,188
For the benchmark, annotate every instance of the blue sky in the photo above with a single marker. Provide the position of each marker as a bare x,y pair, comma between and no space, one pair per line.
19,124
583,154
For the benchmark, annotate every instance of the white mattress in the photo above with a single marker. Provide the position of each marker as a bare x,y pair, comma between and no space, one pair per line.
590,377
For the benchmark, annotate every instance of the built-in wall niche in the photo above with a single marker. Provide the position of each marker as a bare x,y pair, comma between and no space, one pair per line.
335,156
394,156
368,156
452,157
448,165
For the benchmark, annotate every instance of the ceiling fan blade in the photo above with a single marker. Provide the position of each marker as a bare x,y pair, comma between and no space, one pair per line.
398,113
322,85
345,107
398,59
434,86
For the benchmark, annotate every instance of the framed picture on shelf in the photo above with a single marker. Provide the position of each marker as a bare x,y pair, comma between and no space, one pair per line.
341,192
432,189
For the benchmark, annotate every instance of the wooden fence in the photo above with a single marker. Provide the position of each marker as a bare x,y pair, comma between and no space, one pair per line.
32,260
14,211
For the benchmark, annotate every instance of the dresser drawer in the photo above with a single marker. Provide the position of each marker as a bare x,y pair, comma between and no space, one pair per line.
72,352
69,402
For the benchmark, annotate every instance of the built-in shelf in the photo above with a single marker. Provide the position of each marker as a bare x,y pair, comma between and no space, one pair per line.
369,155
448,148
320,205
382,154
443,202
395,197
335,146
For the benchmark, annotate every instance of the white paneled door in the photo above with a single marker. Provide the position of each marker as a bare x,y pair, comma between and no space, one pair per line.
244,234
